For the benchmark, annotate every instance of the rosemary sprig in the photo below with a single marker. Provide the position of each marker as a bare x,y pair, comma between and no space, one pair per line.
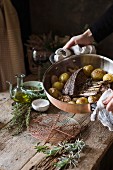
66,154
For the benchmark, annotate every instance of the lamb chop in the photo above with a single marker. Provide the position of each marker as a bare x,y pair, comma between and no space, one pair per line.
95,87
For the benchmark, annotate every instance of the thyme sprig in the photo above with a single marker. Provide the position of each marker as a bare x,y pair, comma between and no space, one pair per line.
21,117
66,154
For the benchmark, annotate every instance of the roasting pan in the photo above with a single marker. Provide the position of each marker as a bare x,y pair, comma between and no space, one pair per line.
59,67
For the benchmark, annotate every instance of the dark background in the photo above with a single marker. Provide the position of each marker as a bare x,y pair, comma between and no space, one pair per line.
62,17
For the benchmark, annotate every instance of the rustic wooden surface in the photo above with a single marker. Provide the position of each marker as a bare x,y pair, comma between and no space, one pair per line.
18,153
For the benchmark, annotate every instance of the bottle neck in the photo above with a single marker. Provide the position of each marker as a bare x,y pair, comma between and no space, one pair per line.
19,84
20,80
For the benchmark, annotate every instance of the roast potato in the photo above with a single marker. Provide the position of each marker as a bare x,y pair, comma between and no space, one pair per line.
88,69
97,74
54,92
58,85
108,77
93,99
82,100
72,102
64,77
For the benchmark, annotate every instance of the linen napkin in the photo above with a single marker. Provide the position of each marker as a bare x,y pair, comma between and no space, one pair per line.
105,117
76,50
89,49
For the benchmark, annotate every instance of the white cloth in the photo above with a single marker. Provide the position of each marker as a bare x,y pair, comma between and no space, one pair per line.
77,50
105,117
89,49
61,54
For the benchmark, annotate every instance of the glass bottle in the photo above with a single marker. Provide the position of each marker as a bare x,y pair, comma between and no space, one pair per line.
19,94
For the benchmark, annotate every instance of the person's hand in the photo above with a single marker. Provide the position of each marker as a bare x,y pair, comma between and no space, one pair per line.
109,103
83,39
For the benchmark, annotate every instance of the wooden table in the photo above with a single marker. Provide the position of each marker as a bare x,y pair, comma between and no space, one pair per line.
18,153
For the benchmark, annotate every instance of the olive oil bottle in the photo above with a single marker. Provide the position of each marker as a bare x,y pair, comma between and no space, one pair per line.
19,94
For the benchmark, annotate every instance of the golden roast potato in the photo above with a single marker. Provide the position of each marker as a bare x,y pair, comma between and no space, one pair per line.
82,100
88,69
72,102
108,77
54,92
58,85
64,77
98,74
93,99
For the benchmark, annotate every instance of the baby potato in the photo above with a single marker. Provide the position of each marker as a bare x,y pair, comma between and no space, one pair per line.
82,100
108,77
72,102
58,85
98,74
92,99
54,92
64,77
88,69
65,98
54,79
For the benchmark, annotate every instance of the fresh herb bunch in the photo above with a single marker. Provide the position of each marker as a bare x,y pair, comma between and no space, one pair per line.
64,155
22,112
21,117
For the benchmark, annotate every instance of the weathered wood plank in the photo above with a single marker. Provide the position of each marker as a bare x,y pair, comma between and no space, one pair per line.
97,138
16,150
5,112
33,161
4,96
5,108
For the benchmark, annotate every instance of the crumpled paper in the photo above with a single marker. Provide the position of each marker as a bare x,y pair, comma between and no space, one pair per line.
77,50
105,117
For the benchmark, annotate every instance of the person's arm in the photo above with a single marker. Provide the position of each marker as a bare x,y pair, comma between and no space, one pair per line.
83,39
96,32
103,26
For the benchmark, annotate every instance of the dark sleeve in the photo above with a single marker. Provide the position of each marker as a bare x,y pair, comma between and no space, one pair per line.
103,26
